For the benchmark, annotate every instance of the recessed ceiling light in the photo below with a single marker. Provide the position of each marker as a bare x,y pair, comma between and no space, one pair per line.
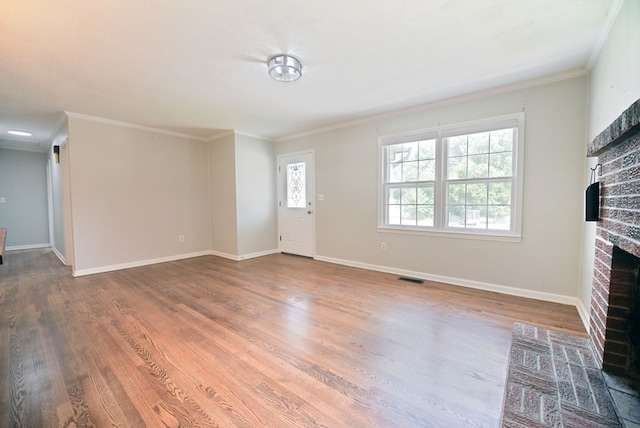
21,133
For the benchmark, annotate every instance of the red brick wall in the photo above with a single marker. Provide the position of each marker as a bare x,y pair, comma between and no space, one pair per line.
619,226
600,295
620,195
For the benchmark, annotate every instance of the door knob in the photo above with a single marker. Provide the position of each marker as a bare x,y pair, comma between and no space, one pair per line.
309,212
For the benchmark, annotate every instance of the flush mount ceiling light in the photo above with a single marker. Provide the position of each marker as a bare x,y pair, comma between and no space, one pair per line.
285,68
20,133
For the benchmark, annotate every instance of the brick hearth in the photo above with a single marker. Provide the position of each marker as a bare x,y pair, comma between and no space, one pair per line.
553,380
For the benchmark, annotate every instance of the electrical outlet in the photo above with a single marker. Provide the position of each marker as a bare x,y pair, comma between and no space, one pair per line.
383,246
181,238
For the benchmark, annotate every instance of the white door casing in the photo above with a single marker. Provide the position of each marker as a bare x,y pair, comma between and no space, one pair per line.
296,210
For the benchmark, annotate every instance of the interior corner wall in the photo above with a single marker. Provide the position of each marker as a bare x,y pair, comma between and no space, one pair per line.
547,260
59,201
614,86
222,196
615,77
24,212
133,193
255,196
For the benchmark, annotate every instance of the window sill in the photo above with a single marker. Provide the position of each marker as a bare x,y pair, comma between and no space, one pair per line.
488,236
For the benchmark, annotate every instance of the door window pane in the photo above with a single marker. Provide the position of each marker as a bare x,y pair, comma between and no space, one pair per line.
296,185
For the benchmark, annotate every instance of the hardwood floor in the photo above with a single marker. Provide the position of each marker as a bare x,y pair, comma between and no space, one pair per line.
278,341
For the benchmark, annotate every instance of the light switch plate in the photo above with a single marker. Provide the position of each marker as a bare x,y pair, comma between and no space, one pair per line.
2,201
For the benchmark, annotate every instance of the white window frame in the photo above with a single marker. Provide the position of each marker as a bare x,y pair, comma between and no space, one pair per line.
516,120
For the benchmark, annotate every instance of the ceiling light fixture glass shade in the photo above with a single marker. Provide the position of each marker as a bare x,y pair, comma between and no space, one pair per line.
285,68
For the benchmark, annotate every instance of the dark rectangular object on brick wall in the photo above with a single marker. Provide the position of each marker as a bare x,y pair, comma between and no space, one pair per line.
592,202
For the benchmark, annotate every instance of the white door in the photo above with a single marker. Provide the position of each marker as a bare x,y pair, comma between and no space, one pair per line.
295,203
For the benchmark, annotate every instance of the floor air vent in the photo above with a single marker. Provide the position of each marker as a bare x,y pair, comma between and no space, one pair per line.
414,280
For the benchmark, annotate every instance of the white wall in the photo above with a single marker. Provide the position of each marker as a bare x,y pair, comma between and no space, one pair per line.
614,86
222,182
615,77
23,185
255,196
58,209
243,199
133,192
546,264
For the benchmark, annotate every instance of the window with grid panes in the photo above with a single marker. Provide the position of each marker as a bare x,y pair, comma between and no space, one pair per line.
458,179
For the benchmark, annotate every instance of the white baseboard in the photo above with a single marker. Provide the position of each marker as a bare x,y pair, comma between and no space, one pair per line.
60,256
584,315
537,295
27,247
224,255
103,269
259,254
531,294
244,256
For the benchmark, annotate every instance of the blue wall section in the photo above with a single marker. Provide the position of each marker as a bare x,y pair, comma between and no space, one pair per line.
23,185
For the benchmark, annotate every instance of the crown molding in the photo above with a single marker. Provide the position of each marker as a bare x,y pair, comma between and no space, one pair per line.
244,134
57,128
221,135
389,114
444,102
256,136
133,126
604,34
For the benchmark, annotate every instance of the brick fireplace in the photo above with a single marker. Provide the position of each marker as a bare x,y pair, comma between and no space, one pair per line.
615,296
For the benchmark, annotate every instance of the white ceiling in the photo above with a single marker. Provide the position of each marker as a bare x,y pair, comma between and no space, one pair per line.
198,67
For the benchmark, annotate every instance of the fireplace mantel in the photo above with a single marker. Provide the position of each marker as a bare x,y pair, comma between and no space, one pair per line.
625,126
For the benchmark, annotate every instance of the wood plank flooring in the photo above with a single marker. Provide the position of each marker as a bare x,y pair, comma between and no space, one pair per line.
278,341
